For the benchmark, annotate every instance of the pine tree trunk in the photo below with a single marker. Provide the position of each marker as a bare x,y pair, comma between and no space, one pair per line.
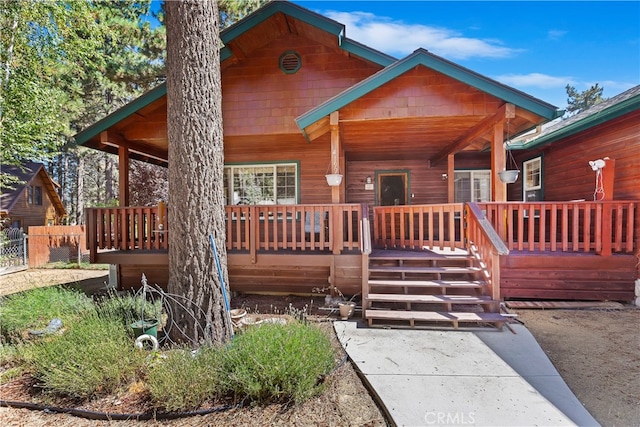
196,165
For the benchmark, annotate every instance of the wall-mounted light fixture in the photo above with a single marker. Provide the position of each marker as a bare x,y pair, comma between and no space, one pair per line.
445,176
368,180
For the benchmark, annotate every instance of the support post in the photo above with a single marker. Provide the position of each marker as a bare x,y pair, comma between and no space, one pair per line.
123,176
451,197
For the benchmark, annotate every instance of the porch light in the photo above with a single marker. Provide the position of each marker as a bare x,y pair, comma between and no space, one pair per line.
368,180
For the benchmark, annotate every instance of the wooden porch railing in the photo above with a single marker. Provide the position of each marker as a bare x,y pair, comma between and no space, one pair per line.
602,227
419,226
127,228
329,228
484,243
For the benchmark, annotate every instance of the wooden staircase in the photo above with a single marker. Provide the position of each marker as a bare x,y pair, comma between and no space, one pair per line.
434,289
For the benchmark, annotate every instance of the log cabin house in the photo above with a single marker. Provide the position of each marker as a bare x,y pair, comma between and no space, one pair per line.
349,169
32,199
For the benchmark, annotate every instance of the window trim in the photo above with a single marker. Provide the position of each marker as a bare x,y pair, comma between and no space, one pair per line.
525,165
228,172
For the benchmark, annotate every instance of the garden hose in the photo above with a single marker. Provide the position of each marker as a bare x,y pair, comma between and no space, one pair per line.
104,416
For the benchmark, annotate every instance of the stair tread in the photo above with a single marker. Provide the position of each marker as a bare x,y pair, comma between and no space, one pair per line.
412,269
420,257
454,299
435,316
429,283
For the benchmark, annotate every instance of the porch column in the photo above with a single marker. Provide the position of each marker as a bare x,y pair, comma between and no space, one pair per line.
451,196
123,176
498,158
335,155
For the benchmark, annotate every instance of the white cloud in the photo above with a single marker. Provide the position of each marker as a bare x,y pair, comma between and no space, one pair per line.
556,34
398,38
538,80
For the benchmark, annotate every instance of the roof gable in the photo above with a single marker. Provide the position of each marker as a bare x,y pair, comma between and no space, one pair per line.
254,20
421,57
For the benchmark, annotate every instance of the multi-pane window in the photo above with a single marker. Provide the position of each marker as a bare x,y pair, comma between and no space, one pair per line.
472,186
34,195
265,184
532,182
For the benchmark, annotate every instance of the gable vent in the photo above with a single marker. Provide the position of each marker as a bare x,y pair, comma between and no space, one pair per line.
290,62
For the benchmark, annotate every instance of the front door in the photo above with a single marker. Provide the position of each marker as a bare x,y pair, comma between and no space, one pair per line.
393,188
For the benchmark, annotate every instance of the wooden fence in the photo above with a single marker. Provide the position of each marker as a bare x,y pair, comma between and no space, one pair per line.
55,243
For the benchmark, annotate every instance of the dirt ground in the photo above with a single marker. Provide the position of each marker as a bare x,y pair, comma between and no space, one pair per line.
597,352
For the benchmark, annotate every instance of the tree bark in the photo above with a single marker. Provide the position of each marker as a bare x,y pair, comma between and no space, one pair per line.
196,166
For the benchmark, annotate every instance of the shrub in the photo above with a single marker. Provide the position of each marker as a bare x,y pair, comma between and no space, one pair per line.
94,356
34,309
129,308
183,381
277,363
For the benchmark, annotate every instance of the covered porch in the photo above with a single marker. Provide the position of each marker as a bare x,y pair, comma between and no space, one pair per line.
554,250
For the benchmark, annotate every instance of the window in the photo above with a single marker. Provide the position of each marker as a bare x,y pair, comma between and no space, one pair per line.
35,195
266,184
532,182
472,186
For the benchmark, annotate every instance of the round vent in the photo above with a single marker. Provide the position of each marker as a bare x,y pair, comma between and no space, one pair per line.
290,62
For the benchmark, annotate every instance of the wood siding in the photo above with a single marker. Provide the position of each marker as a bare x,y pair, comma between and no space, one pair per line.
31,214
565,163
289,274
260,99
568,276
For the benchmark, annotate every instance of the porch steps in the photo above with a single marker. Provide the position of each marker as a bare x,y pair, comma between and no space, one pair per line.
423,270
431,299
454,318
428,288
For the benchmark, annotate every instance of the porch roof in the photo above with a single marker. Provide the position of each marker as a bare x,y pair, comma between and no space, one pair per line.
541,111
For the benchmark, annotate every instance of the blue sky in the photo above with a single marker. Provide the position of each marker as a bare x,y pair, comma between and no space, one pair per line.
536,47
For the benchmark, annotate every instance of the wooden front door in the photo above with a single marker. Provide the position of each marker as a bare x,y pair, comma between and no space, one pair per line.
393,188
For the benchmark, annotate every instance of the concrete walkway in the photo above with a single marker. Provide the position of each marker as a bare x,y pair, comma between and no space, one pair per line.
473,377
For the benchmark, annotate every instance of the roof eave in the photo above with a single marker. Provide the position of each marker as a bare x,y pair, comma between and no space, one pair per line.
153,95
613,112
287,8
422,57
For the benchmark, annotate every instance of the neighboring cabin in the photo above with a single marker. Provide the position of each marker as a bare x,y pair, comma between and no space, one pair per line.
32,200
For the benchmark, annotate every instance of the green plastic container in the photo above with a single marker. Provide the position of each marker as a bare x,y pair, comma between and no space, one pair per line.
149,327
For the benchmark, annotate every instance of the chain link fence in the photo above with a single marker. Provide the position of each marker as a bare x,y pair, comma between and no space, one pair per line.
13,250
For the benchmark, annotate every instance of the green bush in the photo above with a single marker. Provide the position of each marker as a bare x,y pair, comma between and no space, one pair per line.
183,381
34,309
93,357
276,363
